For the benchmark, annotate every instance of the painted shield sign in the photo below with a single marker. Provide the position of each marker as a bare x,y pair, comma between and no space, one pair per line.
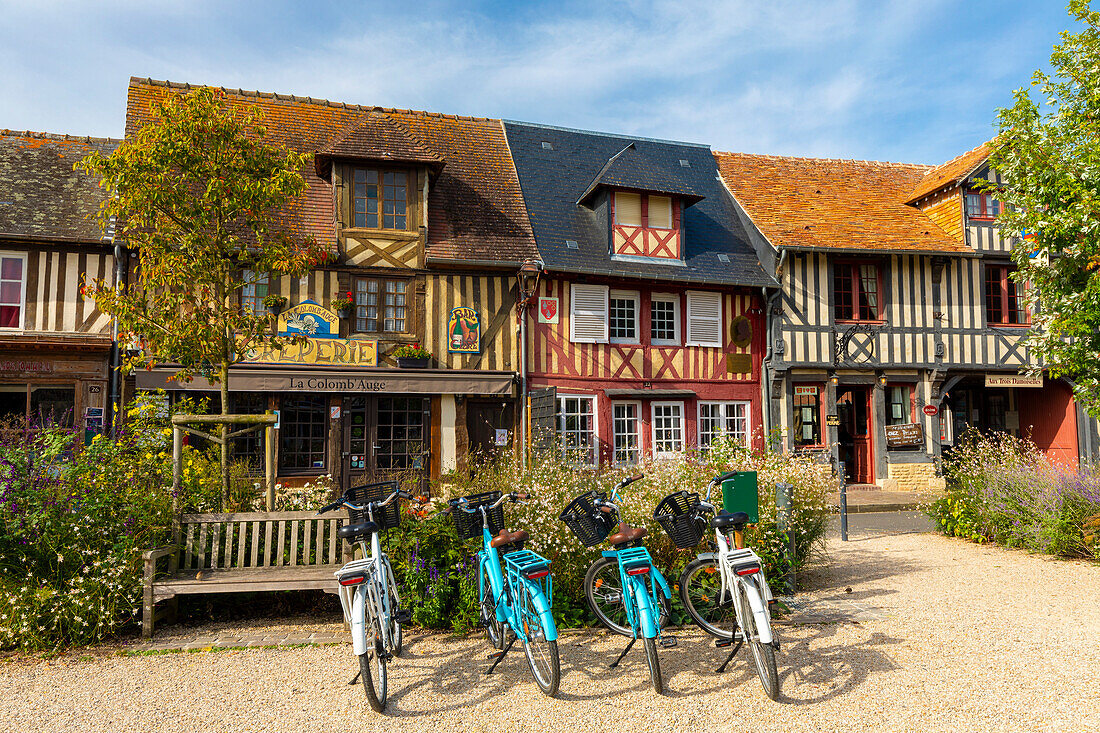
548,310
464,332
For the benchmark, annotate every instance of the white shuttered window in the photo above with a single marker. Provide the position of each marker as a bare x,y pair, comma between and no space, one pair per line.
588,314
704,319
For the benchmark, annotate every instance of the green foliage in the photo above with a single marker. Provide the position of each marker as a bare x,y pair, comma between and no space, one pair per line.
1048,149
1003,489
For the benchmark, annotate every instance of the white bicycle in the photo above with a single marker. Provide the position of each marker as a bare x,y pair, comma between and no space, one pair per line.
725,592
368,592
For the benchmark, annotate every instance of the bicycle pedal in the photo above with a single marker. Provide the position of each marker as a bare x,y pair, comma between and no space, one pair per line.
667,642
403,616
723,643
494,655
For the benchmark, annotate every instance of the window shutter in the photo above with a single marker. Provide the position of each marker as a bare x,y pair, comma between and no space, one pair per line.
660,212
628,209
704,319
588,314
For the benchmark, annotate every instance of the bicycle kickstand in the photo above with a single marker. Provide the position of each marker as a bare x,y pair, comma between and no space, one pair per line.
499,655
727,642
355,678
616,662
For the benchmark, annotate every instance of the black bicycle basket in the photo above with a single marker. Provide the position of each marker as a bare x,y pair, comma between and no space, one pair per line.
469,525
386,518
678,515
589,524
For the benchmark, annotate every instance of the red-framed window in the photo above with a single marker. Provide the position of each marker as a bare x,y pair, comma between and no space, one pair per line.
1005,304
982,206
857,292
807,416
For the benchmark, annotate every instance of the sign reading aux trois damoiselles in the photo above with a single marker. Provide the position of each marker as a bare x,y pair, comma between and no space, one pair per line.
317,330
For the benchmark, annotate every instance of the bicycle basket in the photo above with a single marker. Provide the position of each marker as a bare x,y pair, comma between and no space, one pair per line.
363,494
589,524
678,516
469,525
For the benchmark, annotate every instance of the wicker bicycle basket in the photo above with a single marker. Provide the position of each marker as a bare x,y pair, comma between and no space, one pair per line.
363,494
589,524
678,516
468,524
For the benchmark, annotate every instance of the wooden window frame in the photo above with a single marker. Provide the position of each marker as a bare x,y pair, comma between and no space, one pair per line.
22,304
677,317
990,207
381,317
912,391
673,202
653,427
381,171
725,405
256,300
818,409
854,315
1005,271
324,421
632,295
594,430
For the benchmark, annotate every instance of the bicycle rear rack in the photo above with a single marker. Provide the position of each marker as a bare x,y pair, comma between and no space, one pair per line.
524,564
633,557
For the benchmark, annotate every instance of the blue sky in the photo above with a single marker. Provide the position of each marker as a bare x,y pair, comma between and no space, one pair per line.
915,81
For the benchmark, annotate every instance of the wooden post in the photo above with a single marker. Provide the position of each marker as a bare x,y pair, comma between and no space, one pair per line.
177,458
269,465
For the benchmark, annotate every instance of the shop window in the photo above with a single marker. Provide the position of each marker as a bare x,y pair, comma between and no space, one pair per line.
401,439
728,420
623,317
380,305
256,288
668,428
1005,304
899,408
807,416
981,205
857,292
380,198
13,286
52,406
577,429
13,404
626,431
250,446
664,320
303,427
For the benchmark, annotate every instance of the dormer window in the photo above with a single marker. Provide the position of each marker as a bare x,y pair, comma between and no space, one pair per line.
646,225
643,210
380,198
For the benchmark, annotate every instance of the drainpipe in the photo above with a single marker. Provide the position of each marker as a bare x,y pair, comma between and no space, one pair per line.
115,358
769,330
523,382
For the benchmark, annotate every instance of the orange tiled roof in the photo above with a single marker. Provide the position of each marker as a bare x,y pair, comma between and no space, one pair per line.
951,172
840,204
476,210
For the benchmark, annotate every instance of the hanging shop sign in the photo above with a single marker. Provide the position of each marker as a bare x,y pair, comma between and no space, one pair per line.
931,410
464,332
309,319
320,351
902,436
548,310
805,391
832,420
1012,380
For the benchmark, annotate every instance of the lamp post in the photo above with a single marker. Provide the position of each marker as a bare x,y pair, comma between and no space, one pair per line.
527,278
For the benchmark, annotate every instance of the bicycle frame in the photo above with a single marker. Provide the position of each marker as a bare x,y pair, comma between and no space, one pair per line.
641,603
369,601
505,587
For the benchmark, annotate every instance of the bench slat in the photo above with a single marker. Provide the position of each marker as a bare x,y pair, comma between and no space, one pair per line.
331,541
255,542
242,536
307,552
294,542
202,545
268,526
281,559
190,544
215,542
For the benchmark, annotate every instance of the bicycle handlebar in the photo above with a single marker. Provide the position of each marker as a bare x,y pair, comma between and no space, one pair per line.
344,501
628,481
513,496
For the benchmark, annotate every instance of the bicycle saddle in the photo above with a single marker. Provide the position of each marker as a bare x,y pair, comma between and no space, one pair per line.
507,538
725,520
354,531
626,533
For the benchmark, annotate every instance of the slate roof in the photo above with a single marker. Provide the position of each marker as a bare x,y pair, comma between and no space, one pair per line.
476,211
630,168
819,203
554,180
41,196
951,173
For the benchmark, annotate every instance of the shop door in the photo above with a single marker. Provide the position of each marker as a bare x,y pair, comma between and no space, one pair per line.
855,433
358,441
386,438
489,426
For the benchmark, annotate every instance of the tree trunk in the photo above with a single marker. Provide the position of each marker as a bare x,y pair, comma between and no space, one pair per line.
224,384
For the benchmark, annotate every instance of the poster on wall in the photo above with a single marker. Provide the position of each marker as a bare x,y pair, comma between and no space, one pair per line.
548,310
464,332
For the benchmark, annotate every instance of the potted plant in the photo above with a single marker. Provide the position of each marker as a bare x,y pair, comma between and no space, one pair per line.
342,303
412,356
274,303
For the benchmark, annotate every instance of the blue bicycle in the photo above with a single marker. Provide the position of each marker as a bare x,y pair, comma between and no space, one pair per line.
515,587
624,589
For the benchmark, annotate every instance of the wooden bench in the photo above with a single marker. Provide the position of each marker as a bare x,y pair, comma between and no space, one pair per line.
243,553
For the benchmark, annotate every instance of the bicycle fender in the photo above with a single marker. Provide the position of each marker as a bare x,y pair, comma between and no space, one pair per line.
610,553
359,621
647,618
759,612
546,616
659,578
707,556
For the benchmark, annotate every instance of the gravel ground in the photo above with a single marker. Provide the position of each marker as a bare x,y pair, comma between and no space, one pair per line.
973,638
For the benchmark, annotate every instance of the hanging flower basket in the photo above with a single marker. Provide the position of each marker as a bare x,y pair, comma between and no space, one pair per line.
275,304
343,304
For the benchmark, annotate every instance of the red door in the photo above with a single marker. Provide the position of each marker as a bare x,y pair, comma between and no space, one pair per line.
855,434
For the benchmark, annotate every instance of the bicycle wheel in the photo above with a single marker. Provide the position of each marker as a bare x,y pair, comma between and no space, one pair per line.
763,654
376,690
604,593
700,587
542,655
654,665
396,634
494,632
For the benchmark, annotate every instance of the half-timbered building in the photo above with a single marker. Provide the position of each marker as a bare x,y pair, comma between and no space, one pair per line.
427,229
648,318
55,345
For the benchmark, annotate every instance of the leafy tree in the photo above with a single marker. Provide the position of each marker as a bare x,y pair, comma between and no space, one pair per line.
201,198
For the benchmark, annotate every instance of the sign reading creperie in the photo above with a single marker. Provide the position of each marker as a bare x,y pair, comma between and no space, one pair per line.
1012,380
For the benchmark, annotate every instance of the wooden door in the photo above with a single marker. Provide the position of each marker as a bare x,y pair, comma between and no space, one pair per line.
856,434
358,451
490,427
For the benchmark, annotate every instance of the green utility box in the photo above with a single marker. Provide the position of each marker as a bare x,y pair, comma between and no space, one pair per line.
741,494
